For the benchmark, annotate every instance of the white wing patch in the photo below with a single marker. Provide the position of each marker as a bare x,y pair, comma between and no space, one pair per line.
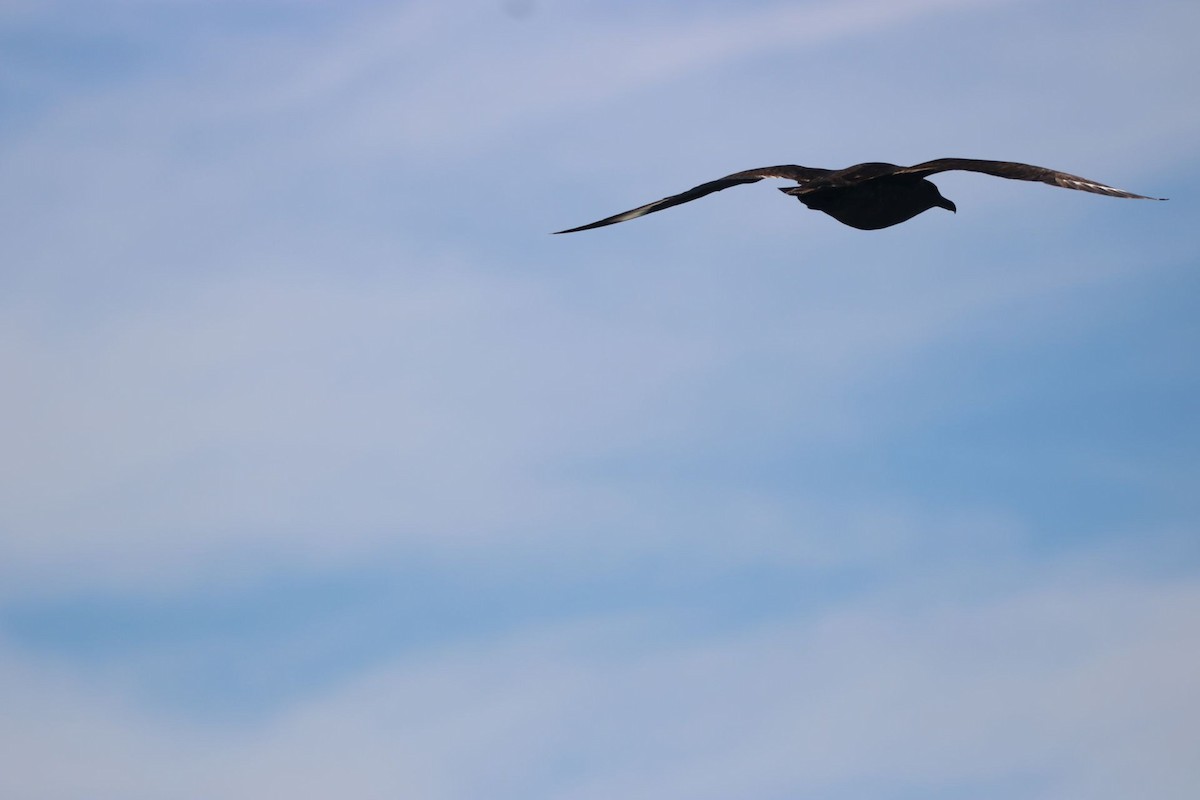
1075,182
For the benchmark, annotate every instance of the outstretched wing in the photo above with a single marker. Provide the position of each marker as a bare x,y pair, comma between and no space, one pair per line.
789,171
1020,172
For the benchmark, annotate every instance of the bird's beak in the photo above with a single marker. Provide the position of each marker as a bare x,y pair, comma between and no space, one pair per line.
948,205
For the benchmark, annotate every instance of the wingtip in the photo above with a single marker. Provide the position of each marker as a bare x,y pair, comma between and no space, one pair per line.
587,227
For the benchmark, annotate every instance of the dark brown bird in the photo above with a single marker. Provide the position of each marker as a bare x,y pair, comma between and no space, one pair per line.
873,195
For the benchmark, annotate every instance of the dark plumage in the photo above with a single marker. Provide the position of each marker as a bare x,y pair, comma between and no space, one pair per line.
873,195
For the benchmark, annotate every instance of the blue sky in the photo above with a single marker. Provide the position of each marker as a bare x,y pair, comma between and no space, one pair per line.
327,472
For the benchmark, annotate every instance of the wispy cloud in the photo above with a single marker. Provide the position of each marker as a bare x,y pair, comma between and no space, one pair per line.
1047,690
274,409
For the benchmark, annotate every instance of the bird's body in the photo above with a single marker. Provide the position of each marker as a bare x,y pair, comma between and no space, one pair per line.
873,195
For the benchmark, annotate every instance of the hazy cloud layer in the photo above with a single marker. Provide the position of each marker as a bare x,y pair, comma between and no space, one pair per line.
326,471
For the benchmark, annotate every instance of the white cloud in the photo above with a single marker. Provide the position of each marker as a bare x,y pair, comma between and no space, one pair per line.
391,79
1074,686
320,415
385,83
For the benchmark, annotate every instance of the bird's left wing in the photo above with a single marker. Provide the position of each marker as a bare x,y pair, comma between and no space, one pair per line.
1020,172
789,171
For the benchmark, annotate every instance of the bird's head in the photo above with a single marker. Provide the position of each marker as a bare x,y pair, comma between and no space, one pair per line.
931,197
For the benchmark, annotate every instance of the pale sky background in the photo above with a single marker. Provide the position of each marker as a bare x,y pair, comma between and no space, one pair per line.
326,472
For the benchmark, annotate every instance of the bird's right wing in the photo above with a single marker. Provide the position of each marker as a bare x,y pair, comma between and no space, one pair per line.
789,171
1020,172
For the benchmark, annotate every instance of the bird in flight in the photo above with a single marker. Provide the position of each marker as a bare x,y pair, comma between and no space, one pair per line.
873,195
